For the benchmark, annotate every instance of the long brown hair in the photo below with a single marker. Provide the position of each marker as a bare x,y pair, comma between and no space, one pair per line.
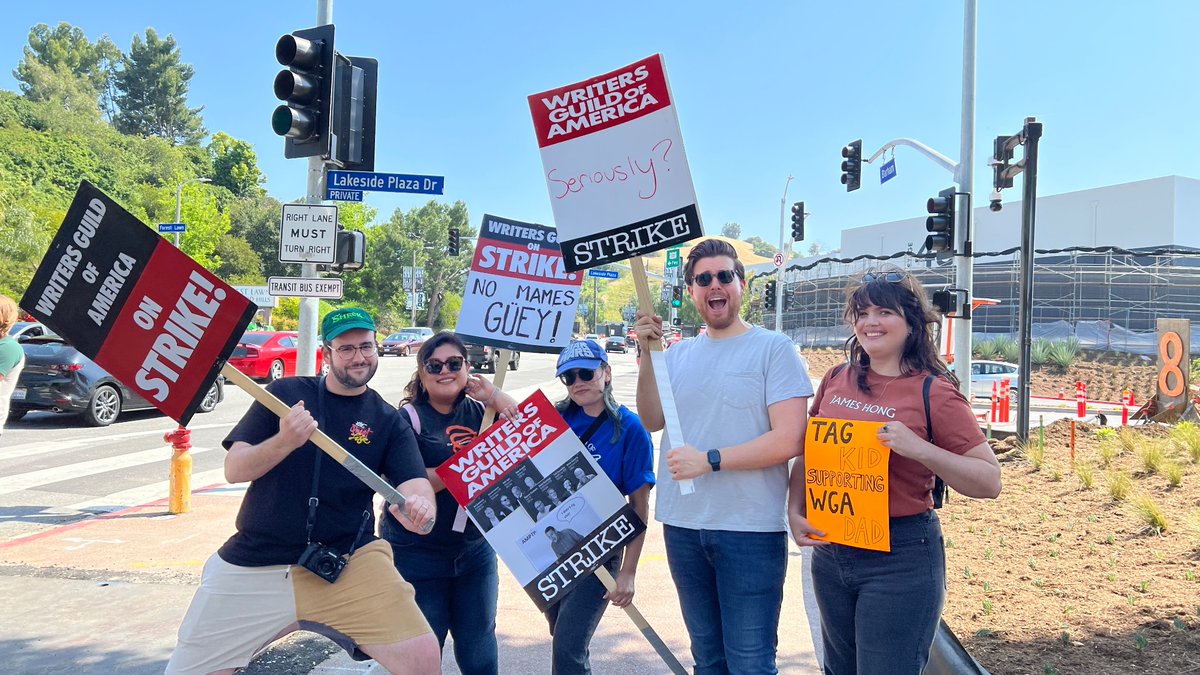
907,296
9,314
414,391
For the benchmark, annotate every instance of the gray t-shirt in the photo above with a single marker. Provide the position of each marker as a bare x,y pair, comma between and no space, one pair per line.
722,391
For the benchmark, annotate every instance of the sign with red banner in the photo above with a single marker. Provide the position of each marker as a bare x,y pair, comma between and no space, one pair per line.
136,305
618,177
541,500
519,296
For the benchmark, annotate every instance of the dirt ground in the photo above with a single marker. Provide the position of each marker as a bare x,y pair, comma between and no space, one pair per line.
1057,577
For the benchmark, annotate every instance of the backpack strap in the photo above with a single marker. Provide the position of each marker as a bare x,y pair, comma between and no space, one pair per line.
415,419
939,485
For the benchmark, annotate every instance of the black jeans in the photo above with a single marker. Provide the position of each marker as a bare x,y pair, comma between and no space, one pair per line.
573,621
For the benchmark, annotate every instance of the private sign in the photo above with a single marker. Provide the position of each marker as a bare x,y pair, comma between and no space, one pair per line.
308,233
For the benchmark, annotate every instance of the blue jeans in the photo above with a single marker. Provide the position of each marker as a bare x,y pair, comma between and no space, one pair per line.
730,588
879,610
457,592
573,621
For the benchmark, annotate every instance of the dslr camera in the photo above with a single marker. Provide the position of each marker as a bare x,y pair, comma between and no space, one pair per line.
322,561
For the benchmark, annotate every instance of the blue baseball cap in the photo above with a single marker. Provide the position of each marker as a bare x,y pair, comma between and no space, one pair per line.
584,354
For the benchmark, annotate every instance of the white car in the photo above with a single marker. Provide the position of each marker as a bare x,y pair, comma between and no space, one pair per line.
24,330
984,373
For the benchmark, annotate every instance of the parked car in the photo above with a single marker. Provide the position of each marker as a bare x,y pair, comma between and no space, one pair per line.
24,330
593,337
424,331
400,344
263,355
58,378
984,373
672,338
616,343
486,357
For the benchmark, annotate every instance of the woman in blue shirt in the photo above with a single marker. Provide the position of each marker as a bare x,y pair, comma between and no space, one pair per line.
621,446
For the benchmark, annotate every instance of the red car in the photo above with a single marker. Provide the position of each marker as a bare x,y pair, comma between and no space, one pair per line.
268,356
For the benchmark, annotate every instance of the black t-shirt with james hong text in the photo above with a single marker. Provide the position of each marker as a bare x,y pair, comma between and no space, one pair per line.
274,512
441,436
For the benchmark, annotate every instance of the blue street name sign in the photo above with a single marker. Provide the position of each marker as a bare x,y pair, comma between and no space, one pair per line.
384,182
343,195
887,171
602,274
166,228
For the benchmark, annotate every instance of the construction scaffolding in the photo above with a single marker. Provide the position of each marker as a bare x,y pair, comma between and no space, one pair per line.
1130,289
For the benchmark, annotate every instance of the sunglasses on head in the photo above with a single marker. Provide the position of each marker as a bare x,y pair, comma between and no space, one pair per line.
705,278
890,277
584,374
434,366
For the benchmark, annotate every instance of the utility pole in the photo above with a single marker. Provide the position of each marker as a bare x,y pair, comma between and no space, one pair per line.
594,312
782,244
306,348
965,233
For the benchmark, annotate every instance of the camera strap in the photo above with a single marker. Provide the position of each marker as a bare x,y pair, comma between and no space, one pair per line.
312,500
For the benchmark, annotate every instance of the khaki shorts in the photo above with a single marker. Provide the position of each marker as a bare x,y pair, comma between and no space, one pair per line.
238,611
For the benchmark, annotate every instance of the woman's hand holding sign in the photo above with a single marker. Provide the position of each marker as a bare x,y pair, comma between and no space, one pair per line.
802,531
902,441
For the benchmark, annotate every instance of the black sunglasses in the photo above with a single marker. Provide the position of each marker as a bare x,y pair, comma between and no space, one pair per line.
890,277
434,367
705,278
584,374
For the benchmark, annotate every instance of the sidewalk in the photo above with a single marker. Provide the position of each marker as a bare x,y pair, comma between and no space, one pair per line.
107,594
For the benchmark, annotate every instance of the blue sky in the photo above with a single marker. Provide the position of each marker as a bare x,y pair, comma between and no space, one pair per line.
763,90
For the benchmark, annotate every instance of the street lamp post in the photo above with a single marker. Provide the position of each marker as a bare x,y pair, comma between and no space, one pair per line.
782,243
179,198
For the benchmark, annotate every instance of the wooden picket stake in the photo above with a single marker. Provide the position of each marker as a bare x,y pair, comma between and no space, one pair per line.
502,357
325,443
658,361
640,621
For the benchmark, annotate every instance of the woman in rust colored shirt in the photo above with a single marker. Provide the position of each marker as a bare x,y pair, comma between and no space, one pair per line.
879,610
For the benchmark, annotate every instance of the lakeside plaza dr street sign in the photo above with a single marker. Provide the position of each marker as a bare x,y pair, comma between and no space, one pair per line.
308,233
369,181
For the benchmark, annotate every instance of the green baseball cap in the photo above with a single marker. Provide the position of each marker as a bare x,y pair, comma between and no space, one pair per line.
341,320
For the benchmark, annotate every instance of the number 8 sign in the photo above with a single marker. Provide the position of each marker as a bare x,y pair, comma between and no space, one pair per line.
1174,337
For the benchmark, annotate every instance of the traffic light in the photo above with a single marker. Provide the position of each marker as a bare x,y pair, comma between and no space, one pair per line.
769,296
1001,154
941,223
798,221
852,165
306,88
452,242
677,296
354,98
944,301
787,299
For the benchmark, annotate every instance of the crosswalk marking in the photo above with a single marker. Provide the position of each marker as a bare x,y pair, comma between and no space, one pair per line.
32,479
23,450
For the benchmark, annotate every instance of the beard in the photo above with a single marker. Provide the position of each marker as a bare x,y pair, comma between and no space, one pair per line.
723,318
344,378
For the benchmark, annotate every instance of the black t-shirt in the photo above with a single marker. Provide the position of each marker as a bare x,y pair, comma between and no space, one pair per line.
274,512
441,436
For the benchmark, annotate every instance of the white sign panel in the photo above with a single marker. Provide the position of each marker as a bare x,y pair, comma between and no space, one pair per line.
618,178
540,499
298,287
519,295
308,233
259,295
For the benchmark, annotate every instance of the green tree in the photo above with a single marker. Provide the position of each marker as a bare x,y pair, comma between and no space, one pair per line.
255,218
239,264
731,230
152,88
761,247
206,223
426,229
235,165
65,50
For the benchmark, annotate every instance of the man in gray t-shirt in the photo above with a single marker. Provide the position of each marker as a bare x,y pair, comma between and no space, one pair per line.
742,397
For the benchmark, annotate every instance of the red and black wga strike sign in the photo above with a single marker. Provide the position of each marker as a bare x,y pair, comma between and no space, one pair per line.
137,306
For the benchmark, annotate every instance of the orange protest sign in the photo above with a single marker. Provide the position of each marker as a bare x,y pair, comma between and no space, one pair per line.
846,482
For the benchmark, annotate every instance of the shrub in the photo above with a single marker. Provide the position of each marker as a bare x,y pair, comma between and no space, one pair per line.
1152,457
1109,449
1128,438
1174,473
984,349
1150,513
1039,351
1007,348
1187,436
1086,474
1119,485
1063,354
1035,453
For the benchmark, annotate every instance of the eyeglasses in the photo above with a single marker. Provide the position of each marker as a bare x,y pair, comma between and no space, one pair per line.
890,277
347,352
584,374
434,366
705,278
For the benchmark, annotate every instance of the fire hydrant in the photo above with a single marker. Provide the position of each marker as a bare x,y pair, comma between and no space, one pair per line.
181,470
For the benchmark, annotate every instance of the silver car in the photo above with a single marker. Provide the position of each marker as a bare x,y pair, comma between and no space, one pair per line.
984,373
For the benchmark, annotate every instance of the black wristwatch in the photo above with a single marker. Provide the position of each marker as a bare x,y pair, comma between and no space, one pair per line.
714,459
